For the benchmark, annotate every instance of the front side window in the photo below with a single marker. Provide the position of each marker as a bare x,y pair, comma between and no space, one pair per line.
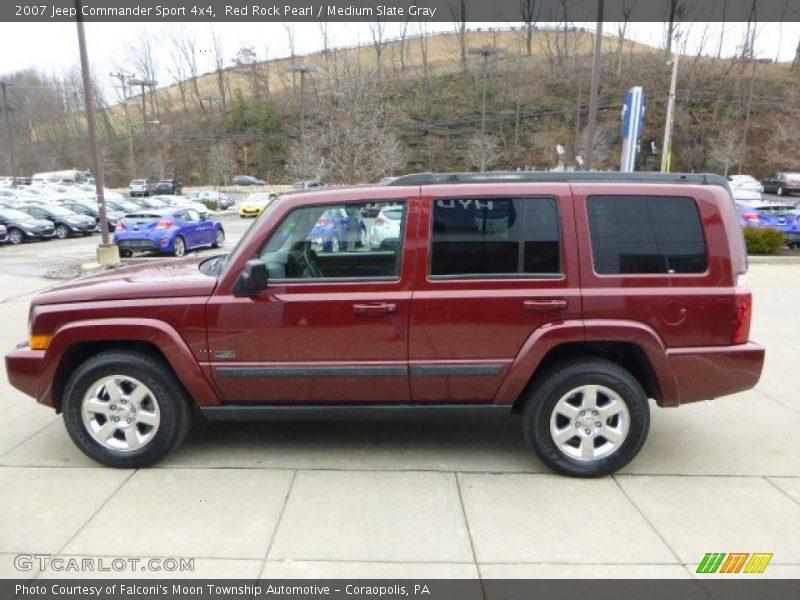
646,235
475,237
343,241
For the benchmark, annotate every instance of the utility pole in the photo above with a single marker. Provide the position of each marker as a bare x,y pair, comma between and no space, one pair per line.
9,133
484,51
666,150
596,74
126,109
303,70
142,83
210,100
107,253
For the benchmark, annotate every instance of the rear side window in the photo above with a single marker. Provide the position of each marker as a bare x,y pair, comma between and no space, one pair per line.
646,235
495,237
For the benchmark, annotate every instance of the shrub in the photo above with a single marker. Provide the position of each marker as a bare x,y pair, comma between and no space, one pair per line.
209,204
763,240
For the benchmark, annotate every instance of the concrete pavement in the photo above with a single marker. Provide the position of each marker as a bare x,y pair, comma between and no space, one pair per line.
460,497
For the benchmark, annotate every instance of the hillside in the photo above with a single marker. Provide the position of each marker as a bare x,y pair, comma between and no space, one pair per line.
419,108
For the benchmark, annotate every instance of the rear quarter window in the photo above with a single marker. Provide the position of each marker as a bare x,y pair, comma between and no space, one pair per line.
646,235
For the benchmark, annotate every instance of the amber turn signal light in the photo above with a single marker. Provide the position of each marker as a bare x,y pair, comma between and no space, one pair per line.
40,341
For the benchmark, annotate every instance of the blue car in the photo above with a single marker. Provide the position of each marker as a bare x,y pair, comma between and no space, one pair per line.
783,217
172,230
332,231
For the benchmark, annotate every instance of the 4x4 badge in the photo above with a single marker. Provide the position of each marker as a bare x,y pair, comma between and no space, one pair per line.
224,354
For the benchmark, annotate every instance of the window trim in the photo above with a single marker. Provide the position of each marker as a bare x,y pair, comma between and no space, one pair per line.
498,276
698,275
318,280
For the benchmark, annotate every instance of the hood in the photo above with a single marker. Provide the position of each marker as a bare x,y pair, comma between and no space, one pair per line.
167,278
36,223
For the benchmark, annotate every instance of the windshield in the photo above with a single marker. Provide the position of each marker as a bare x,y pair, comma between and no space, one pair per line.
223,264
58,210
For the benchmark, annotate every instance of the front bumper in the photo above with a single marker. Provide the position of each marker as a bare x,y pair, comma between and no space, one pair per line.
710,372
24,369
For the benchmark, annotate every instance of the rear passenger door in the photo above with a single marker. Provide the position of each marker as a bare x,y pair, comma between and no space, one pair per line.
495,269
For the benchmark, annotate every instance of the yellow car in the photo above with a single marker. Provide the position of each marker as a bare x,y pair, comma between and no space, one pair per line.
254,204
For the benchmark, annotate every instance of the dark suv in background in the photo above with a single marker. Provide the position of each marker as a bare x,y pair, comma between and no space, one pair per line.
568,298
169,186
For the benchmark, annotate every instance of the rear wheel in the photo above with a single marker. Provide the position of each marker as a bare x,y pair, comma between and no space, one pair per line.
179,247
62,231
124,409
586,417
125,253
779,191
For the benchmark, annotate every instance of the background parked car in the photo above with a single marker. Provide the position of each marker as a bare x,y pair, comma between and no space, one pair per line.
65,221
254,204
306,185
217,200
332,230
151,202
168,186
168,230
745,182
385,231
783,217
783,183
141,187
90,208
183,202
123,206
247,180
23,227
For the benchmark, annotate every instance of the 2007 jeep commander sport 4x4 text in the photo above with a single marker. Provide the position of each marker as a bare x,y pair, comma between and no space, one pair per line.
572,298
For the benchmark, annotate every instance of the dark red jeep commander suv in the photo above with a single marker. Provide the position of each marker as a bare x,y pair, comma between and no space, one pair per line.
570,298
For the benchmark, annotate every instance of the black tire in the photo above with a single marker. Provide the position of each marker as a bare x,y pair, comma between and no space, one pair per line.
126,253
779,191
174,406
543,396
62,231
219,239
15,235
179,247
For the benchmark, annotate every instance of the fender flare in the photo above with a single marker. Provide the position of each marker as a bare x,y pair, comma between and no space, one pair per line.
554,334
152,331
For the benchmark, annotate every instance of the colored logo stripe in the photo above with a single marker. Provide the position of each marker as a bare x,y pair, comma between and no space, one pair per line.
758,563
713,562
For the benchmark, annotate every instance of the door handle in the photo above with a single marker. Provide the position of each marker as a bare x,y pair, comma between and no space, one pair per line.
380,308
544,305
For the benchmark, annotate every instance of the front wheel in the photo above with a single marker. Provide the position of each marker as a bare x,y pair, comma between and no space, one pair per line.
586,417
61,231
179,247
16,236
779,191
125,409
219,239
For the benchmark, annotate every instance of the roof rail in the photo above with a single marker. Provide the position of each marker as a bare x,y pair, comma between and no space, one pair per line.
557,176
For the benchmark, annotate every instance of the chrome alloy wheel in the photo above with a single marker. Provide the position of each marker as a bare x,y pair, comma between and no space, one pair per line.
120,413
589,422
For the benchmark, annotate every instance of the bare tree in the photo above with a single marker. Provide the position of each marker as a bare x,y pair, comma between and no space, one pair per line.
423,46
247,61
725,149
482,151
796,61
676,10
378,31
722,28
219,63
627,10
221,162
784,145
403,35
529,18
459,16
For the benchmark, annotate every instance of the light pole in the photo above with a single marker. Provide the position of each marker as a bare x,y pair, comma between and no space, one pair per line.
107,253
666,150
142,83
11,157
303,70
210,100
484,51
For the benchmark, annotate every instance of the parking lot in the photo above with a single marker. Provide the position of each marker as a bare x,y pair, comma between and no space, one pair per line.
410,497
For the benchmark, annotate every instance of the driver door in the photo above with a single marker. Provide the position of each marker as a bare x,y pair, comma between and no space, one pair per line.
330,328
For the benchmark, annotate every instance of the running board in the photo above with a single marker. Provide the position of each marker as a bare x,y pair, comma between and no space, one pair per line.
239,412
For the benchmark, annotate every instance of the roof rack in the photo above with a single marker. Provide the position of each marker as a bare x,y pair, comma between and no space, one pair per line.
557,176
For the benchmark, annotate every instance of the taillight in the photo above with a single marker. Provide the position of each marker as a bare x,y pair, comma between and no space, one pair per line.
164,224
743,311
120,225
380,221
751,217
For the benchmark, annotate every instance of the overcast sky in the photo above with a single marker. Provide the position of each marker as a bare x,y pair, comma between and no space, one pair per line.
52,47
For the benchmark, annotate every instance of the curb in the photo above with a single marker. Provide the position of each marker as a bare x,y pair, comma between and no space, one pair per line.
773,260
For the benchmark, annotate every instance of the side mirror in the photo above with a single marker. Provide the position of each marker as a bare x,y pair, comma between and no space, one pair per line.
204,217
253,279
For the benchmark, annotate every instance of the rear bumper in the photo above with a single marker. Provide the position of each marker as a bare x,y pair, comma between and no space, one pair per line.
707,373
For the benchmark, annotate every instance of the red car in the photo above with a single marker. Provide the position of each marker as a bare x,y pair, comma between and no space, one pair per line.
569,298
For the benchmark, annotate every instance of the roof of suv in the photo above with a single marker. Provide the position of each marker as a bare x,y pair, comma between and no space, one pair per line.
557,176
